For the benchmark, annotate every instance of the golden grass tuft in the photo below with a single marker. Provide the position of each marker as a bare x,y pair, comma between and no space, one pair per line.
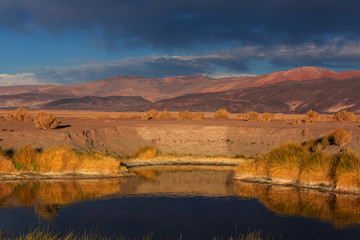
318,168
94,162
6,165
249,116
222,113
19,114
25,156
46,121
147,152
58,159
341,137
348,169
344,116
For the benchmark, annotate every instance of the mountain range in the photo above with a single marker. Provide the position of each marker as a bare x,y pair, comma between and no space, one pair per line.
294,91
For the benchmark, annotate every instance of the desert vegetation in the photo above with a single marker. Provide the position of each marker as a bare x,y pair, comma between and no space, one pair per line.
344,116
306,164
19,114
186,115
255,116
222,113
46,121
154,114
57,159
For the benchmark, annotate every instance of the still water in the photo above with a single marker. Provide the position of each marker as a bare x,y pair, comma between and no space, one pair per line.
178,202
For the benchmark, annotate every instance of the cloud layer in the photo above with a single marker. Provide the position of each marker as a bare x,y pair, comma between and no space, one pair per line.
186,23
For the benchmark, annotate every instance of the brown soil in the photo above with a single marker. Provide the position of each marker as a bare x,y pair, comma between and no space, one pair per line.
209,137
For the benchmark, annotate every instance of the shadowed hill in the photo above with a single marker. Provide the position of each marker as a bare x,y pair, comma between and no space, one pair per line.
322,95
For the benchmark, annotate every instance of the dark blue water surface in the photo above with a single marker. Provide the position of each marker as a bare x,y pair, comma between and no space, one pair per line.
195,214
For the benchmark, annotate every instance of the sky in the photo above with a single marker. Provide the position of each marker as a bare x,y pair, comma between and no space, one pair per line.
76,41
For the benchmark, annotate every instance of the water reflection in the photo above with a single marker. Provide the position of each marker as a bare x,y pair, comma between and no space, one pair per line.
338,209
48,197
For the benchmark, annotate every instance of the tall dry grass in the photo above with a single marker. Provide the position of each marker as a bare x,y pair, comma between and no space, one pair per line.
25,157
147,152
58,159
348,169
6,165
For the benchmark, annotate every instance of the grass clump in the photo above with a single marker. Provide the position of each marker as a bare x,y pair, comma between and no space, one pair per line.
249,116
94,162
186,115
222,113
58,159
285,161
25,158
19,114
46,121
147,152
318,168
348,169
6,165
344,116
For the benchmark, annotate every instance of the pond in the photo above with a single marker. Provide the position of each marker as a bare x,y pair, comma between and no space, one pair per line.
178,203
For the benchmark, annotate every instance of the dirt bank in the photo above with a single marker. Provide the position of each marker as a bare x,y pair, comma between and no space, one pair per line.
209,137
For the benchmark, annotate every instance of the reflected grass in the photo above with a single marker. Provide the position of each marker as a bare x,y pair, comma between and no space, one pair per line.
340,210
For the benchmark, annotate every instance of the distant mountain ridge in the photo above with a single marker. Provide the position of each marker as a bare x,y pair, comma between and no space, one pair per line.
145,93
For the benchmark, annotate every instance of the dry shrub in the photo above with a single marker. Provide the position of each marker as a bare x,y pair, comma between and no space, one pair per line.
25,156
344,116
341,137
152,114
266,117
58,159
222,113
19,114
6,165
305,132
251,116
147,152
348,169
186,115
312,116
46,121
164,115
94,162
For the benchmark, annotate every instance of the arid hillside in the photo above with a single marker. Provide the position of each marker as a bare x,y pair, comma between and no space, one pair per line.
292,91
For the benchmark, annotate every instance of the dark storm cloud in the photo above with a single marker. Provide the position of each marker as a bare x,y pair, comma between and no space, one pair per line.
185,23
